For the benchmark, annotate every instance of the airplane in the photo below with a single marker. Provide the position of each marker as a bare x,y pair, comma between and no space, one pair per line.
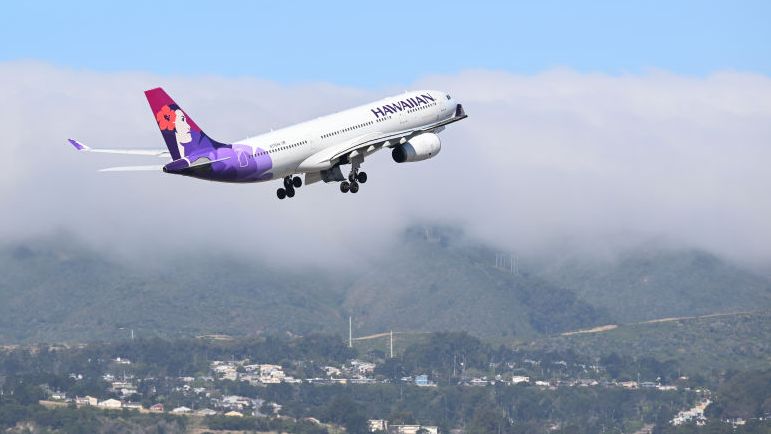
407,124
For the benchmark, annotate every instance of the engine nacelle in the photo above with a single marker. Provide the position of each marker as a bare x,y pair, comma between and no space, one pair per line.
419,148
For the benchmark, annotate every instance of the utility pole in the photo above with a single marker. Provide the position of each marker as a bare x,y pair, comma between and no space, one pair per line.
392,344
350,332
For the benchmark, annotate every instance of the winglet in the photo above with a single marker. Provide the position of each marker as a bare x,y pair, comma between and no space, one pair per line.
79,146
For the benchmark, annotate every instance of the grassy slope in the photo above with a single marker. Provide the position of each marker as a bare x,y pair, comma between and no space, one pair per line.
741,341
655,283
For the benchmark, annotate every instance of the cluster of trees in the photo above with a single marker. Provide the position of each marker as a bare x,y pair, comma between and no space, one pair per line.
448,357
745,395
264,424
19,404
501,408
163,357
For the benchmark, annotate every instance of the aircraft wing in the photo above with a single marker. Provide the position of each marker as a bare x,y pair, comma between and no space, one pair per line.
162,153
366,144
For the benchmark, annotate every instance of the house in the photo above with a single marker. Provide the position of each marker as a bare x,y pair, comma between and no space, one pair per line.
181,410
421,380
58,396
377,425
236,402
234,414
86,400
331,371
205,412
628,384
110,403
362,367
586,382
118,385
157,408
478,382
516,379
413,429
132,405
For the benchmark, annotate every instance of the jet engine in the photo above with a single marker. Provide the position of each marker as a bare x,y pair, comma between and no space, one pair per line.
419,148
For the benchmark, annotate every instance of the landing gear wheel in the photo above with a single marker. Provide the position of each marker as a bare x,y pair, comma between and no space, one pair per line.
290,192
297,182
351,177
287,183
345,186
354,187
361,177
281,193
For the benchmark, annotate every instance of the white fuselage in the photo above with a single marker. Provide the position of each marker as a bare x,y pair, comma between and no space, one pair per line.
292,149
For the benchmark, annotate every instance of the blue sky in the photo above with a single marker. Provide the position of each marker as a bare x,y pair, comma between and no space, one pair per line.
389,42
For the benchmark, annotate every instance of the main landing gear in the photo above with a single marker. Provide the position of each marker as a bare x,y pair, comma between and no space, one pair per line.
290,185
354,179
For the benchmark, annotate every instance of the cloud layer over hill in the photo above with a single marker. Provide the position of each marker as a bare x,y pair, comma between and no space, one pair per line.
546,158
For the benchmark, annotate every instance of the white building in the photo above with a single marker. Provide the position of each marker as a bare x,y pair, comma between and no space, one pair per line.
110,403
205,412
331,371
378,425
413,429
362,367
86,400
516,379
181,410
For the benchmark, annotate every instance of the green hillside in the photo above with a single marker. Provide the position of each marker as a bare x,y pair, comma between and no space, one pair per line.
431,279
58,290
437,280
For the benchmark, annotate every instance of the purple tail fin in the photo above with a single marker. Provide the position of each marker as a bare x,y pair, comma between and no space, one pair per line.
182,135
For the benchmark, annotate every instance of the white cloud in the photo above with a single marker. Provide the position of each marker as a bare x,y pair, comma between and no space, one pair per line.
542,158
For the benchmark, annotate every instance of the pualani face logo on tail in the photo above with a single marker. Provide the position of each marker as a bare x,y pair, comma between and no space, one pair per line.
183,137
404,104
173,121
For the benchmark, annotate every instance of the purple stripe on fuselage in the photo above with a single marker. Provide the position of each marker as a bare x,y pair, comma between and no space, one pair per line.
238,164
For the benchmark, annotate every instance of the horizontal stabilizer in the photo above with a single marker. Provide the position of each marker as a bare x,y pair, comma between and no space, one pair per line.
162,153
154,168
